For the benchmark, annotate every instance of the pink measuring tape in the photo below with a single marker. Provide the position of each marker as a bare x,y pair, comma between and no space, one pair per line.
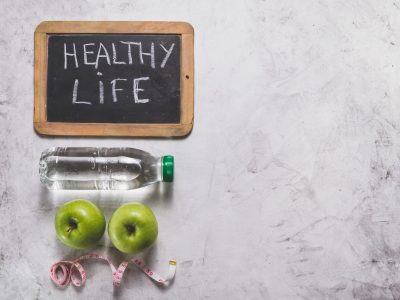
74,271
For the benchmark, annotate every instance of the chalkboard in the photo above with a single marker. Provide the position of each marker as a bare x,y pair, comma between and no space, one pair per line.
114,78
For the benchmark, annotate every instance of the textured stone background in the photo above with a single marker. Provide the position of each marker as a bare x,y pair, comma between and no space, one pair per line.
288,186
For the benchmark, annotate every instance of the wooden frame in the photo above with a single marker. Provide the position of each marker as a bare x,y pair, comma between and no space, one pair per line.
40,122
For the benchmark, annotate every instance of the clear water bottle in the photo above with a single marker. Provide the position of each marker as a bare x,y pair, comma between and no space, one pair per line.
87,168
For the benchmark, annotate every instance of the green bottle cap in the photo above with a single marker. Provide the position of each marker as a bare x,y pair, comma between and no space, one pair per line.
167,168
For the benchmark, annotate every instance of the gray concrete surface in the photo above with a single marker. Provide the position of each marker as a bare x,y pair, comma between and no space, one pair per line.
288,186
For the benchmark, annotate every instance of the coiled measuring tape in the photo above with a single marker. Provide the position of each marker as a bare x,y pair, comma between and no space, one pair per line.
73,271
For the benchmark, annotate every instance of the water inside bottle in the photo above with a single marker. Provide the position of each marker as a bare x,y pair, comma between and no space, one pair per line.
98,168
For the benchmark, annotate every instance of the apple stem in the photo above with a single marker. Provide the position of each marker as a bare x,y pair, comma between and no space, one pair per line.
72,226
131,229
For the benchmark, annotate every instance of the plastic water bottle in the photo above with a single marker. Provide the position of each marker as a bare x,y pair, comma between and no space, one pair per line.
87,168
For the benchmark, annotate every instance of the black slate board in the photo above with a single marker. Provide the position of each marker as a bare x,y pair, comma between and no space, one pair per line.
162,87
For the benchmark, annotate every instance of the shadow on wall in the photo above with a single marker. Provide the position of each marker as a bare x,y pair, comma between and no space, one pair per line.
158,194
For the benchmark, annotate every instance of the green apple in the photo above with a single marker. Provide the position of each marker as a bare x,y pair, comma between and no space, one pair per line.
133,228
80,224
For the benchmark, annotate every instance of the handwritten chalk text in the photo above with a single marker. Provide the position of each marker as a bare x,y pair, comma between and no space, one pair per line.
105,55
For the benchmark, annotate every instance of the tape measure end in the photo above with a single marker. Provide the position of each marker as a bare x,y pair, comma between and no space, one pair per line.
172,262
